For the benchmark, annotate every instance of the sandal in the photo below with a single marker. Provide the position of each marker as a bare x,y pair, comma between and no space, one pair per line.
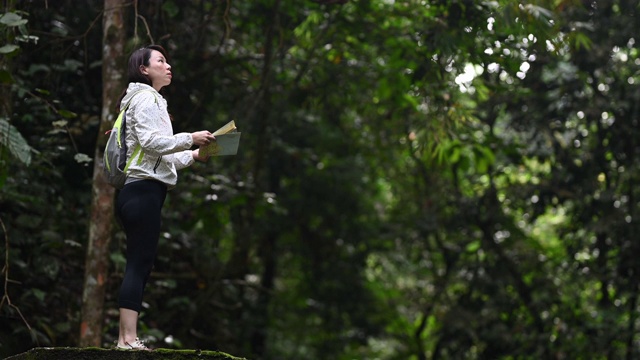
135,345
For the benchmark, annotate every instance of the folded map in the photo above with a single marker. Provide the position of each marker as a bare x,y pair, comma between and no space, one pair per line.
227,141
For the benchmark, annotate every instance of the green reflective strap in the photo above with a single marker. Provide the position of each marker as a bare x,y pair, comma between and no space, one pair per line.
140,158
136,151
118,125
106,162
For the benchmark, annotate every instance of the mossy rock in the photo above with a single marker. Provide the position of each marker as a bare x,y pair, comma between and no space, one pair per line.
69,353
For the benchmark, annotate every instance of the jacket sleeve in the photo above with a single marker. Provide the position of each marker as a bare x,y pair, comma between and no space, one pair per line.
153,127
182,159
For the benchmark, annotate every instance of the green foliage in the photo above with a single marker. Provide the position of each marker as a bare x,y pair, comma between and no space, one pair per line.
13,29
14,142
450,179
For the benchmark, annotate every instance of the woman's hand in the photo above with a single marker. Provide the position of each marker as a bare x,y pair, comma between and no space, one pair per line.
196,155
203,137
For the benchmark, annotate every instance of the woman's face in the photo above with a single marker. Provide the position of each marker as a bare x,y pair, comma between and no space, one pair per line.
158,71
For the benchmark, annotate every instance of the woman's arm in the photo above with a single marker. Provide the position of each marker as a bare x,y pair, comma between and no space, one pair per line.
153,127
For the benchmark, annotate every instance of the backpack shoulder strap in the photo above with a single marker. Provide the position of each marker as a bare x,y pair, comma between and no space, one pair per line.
137,151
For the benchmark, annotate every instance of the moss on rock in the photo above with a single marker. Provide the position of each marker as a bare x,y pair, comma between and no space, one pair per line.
69,353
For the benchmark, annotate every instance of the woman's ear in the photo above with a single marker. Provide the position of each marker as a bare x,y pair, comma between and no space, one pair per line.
143,70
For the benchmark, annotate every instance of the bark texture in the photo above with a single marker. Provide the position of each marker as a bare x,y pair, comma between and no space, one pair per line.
97,258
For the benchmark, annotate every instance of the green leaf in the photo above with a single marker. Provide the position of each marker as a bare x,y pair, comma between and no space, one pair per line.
13,140
8,49
12,19
5,77
67,114
171,9
28,38
582,41
484,157
538,11
454,155
60,123
42,91
39,294
82,158
473,246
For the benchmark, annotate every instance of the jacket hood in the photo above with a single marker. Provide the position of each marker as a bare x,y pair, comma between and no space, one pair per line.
134,88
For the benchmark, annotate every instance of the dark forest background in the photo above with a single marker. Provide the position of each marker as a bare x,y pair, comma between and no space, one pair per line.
417,179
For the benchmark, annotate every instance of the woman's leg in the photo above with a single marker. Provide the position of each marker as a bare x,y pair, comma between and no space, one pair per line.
139,207
128,326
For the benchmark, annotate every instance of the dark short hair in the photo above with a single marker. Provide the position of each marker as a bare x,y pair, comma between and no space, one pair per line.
141,57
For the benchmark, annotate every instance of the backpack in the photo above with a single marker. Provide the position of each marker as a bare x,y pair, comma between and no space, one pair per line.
115,152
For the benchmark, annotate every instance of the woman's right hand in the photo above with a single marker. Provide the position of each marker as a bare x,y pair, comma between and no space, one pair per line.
203,137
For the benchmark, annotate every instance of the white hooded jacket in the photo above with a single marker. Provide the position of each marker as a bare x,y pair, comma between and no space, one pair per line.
149,124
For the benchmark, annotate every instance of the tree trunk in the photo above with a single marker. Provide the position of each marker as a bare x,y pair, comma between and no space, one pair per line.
97,260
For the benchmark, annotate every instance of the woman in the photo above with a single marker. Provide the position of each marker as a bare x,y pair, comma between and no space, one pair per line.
150,175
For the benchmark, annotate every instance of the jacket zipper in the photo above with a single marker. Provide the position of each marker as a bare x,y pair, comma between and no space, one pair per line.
157,164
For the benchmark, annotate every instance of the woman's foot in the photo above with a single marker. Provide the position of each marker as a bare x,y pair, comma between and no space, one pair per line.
134,345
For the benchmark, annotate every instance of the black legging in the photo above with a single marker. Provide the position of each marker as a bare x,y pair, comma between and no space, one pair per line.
138,208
